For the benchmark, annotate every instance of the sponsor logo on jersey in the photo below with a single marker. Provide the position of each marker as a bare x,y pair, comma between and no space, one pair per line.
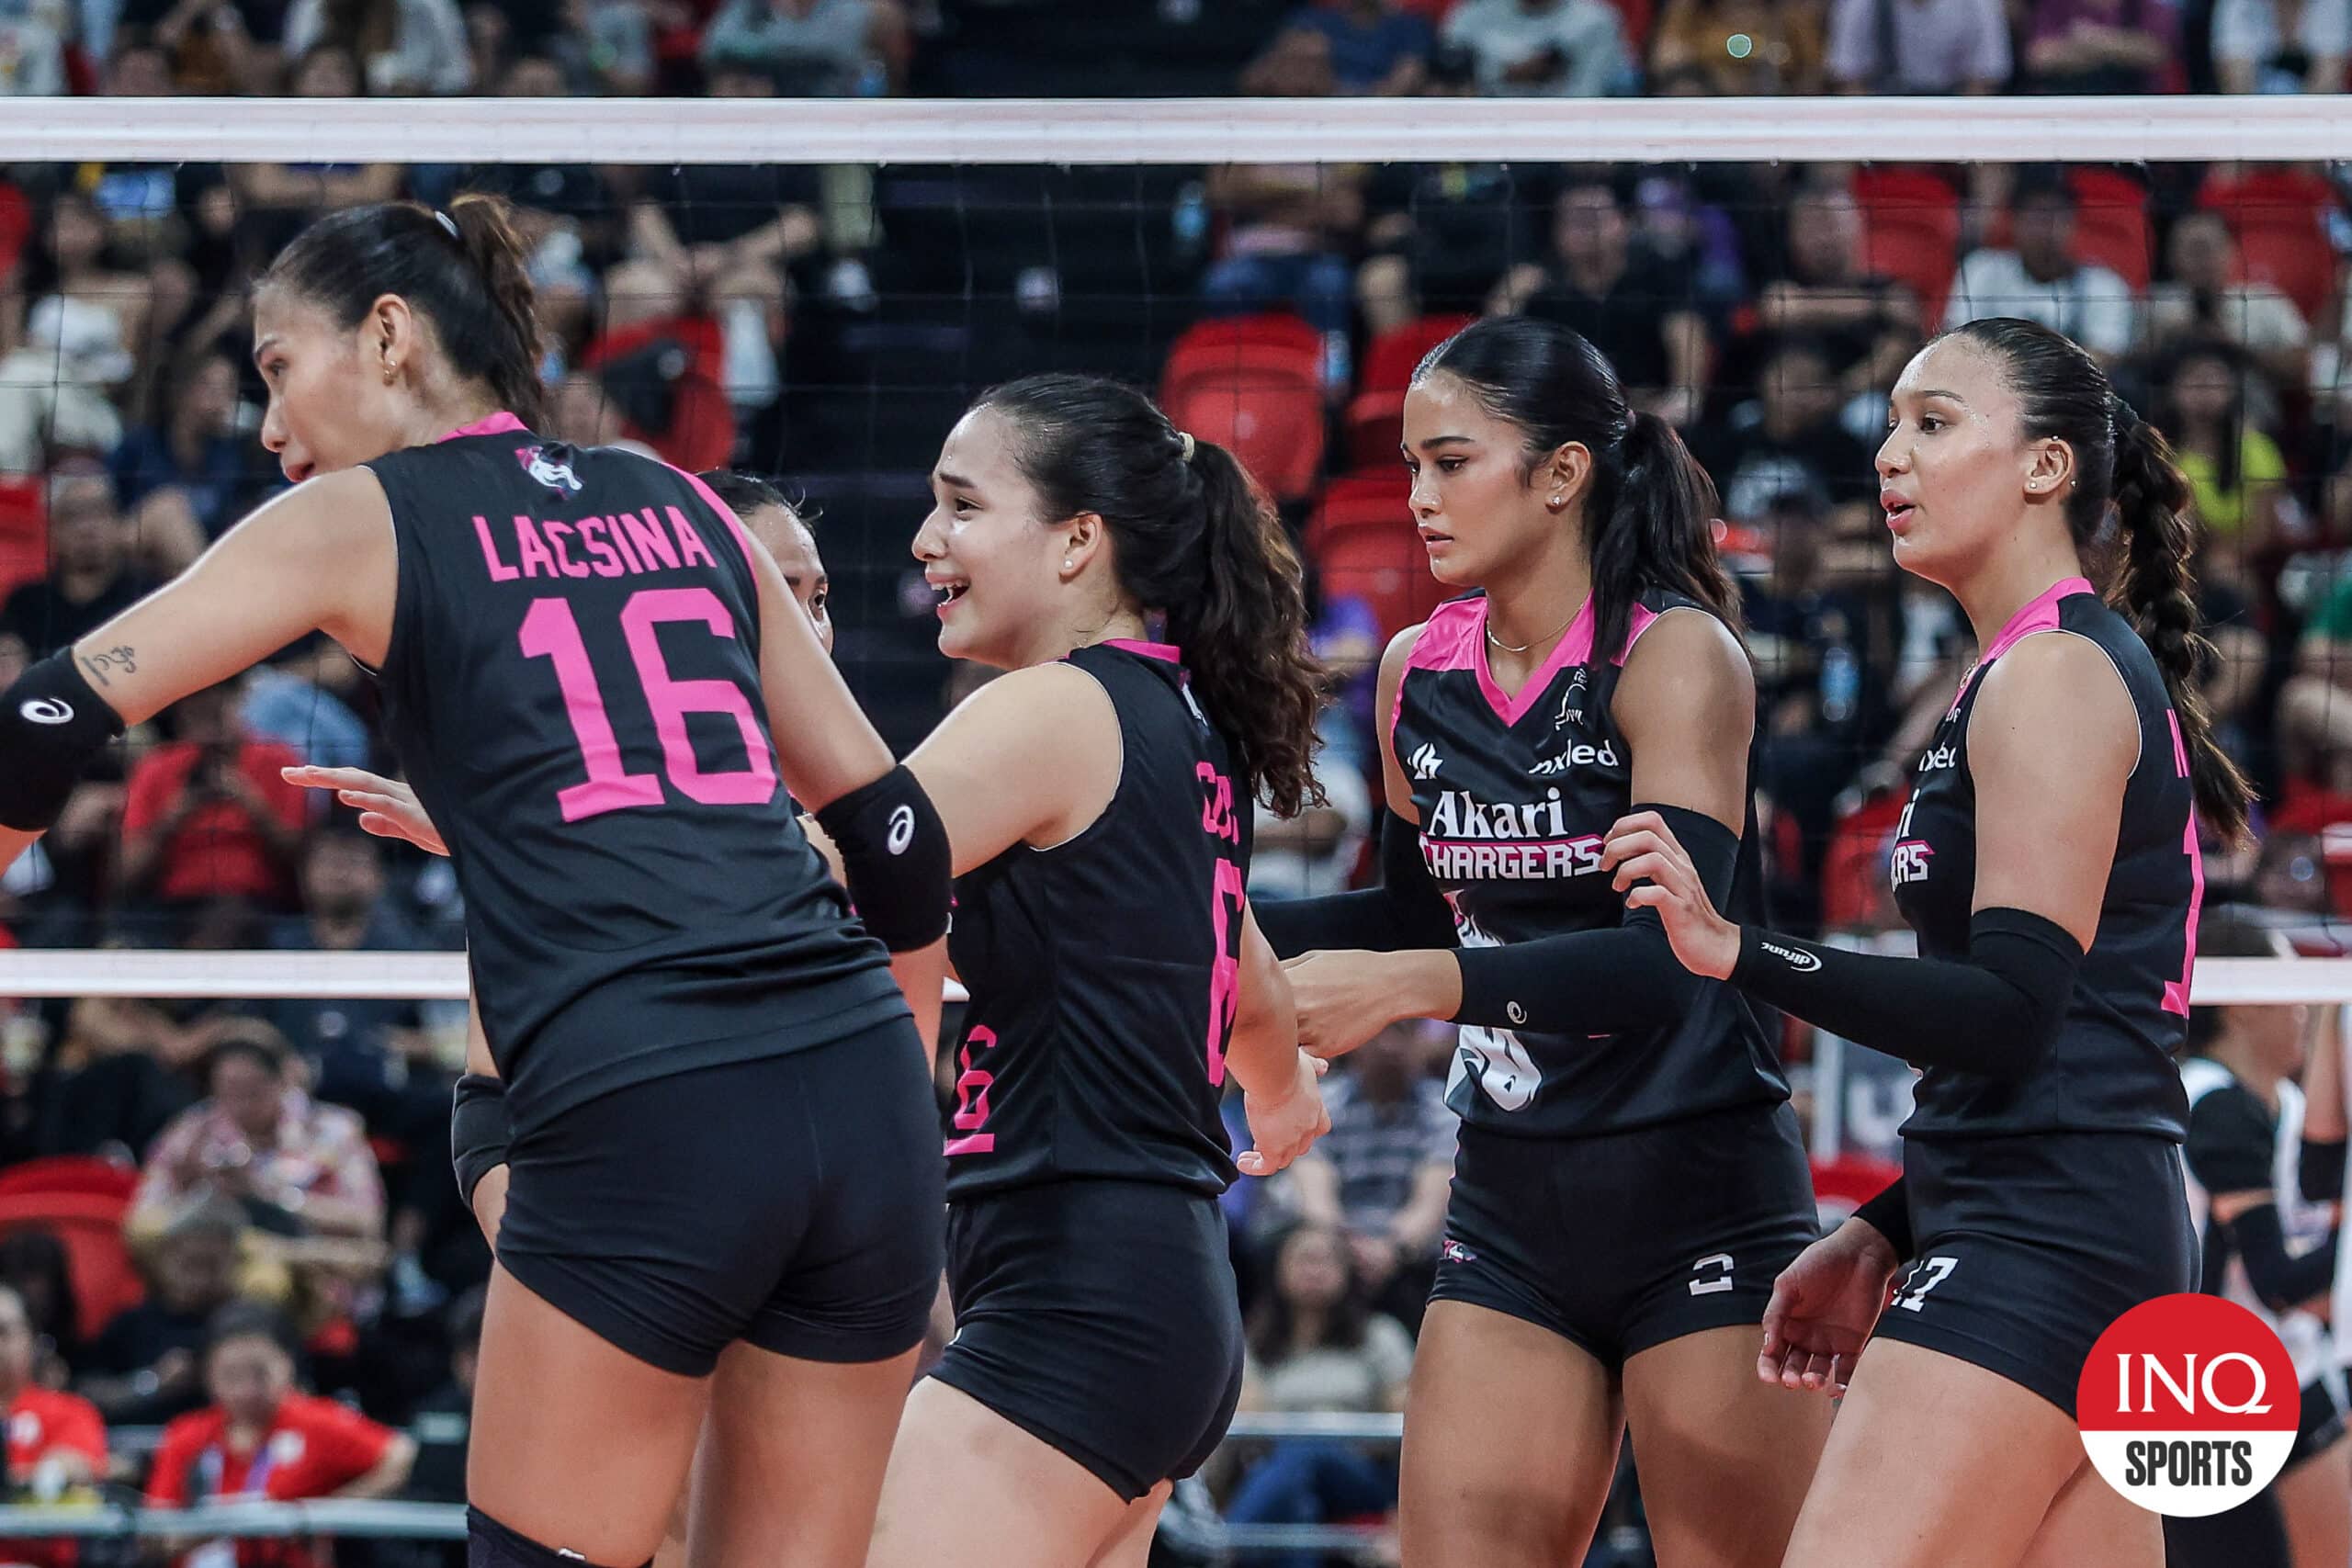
1452,1251
547,471
1939,758
1577,756
1425,762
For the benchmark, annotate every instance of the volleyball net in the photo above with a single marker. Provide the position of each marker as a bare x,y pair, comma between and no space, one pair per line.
812,291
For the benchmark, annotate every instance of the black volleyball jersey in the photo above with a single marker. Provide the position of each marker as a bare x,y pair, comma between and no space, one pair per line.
574,689
1516,797
1104,971
2113,1068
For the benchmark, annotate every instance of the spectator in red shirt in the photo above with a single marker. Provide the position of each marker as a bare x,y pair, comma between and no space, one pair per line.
262,1441
56,1440
207,815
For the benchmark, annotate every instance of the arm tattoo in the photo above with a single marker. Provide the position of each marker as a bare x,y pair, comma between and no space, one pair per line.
120,656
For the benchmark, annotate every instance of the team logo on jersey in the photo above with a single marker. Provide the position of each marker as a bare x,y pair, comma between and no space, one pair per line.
1464,838
46,710
1452,1251
1425,762
549,472
1572,701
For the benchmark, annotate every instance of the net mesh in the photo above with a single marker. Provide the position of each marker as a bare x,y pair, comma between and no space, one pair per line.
813,292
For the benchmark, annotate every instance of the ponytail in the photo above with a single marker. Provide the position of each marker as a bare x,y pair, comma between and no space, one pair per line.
2159,535
1243,635
462,270
486,233
1658,531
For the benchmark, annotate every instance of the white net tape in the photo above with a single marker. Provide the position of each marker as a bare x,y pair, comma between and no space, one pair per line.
441,976
1184,131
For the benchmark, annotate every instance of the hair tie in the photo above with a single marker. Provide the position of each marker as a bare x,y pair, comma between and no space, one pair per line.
1190,445
447,222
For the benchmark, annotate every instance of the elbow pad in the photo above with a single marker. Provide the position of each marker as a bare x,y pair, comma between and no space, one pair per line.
53,725
895,859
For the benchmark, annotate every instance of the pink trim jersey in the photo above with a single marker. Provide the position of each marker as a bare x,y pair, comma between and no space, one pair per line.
1104,971
2112,1069
1516,797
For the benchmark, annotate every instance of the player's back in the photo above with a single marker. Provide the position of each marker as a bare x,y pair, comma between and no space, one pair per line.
572,686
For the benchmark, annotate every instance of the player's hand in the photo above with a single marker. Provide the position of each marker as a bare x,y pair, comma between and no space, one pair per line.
1824,1306
1344,997
1654,872
1285,1125
387,807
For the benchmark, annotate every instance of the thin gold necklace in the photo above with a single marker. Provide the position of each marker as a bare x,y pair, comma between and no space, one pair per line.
1524,646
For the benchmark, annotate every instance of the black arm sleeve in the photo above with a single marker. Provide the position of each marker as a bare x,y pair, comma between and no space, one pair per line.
1997,1011
1599,981
1889,1213
2320,1171
1405,911
2280,1282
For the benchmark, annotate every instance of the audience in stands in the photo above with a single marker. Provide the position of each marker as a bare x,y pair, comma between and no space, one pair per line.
146,1367
2041,278
207,817
260,1439
296,1168
2281,46
1379,1177
1526,48
1315,1344
1637,309
57,1441
1910,47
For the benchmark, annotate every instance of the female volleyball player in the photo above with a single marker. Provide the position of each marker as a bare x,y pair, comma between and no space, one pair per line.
1630,1177
1101,819
583,663
2048,861
1097,799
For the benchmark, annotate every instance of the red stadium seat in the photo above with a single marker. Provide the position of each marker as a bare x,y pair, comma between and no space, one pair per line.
1377,411
1253,385
24,532
1363,544
2280,217
82,1174
90,1225
2111,224
1911,233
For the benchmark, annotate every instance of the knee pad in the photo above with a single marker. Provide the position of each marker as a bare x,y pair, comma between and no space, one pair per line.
490,1544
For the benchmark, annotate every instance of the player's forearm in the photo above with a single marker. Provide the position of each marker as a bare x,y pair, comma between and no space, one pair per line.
922,974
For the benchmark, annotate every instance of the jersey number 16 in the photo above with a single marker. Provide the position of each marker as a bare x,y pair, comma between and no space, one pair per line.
551,632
